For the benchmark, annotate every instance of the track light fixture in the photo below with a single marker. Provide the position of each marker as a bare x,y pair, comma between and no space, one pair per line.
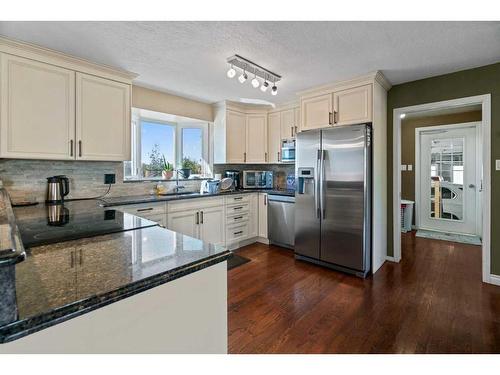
258,71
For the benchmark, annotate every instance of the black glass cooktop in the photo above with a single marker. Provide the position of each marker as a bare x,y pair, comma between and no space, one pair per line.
58,223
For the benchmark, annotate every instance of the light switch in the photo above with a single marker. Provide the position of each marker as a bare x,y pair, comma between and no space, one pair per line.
403,167
497,165
410,167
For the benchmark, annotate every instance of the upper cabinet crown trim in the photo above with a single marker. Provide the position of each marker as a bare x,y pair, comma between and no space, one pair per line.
376,76
49,56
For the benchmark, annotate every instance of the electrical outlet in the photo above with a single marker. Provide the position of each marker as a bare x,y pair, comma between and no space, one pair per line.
403,167
109,178
497,165
410,167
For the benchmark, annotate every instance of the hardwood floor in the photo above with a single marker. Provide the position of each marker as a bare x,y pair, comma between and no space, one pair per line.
431,302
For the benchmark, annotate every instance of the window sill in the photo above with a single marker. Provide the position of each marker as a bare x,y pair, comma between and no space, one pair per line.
159,179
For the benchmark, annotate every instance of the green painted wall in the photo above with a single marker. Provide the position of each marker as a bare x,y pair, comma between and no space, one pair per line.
478,81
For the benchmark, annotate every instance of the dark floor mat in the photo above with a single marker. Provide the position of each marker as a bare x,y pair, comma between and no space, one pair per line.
236,261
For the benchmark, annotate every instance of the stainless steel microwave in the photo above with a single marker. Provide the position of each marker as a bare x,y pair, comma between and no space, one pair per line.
288,150
257,179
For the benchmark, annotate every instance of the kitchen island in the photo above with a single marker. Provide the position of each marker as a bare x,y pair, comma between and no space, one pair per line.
142,290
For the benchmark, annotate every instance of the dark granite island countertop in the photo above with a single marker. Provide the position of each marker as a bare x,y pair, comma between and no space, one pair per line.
60,281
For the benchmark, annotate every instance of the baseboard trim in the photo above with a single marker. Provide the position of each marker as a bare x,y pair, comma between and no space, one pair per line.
391,259
494,279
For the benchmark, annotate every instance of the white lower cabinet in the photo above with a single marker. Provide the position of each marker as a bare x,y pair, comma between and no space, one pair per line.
212,225
262,215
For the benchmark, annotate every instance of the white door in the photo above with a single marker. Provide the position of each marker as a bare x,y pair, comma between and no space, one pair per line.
448,181
102,119
185,222
212,225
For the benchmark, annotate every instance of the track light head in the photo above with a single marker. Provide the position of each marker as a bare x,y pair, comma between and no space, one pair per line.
255,82
231,72
264,86
274,90
243,77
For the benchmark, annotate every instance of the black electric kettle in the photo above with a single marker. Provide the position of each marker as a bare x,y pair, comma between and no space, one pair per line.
58,189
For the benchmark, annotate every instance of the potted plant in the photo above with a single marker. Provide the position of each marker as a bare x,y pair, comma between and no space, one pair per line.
189,166
167,169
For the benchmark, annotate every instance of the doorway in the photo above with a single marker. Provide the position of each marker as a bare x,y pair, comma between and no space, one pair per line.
448,181
484,142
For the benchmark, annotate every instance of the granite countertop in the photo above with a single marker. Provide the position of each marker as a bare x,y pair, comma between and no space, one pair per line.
60,281
135,199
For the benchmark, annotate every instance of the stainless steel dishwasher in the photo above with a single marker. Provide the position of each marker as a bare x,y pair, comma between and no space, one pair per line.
281,220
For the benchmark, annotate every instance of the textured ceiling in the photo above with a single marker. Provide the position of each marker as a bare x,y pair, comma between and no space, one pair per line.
188,58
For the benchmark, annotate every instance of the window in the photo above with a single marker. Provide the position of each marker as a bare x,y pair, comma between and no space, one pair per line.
158,142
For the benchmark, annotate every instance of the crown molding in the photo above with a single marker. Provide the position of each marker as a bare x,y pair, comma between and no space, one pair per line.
49,56
372,77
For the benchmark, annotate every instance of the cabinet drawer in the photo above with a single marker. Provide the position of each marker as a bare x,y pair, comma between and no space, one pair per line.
237,209
234,199
237,232
194,204
143,209
238,218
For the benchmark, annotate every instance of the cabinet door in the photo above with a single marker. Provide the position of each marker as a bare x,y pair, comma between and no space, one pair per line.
253,216
235,137
288,124
274,137
102,119
353,106
38,110
161,219
317,112
185,222
256,140
297,119
212,225
263,215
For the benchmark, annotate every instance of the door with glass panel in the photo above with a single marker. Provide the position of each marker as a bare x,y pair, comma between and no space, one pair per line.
448,180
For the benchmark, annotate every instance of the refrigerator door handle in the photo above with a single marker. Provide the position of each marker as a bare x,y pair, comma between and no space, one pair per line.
321,184
317,185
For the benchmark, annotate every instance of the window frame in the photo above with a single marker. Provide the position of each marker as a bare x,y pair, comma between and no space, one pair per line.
136,146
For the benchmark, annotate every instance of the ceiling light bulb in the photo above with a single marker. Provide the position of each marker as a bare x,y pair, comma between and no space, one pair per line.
255,82
231,72
243,77
274,90
264,86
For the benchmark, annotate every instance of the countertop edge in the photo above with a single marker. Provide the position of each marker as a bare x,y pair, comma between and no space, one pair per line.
34,324
14,249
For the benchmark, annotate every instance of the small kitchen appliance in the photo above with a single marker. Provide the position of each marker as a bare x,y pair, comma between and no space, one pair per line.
58,188
210,186
236,177
288,150
257,179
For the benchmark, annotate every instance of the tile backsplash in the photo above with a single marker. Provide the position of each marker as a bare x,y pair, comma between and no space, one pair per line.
280,171
26,179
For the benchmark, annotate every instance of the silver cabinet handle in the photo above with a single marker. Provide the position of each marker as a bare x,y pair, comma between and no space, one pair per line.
71,148
201,216
80,148
81,257
330,118
197,218
239,232
144,209
265,200
335,115
238,198
265,156
237,218
279,156
244,157
237,208
72,262
296,130
472,186
291,131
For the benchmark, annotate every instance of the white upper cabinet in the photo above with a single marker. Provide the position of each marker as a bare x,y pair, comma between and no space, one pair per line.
38,110
317,112
288,124
256,138
274,137
59,107
297,120
353,106
102,119
235,137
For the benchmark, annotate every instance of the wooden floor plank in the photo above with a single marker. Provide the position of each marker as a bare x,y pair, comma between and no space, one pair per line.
433,301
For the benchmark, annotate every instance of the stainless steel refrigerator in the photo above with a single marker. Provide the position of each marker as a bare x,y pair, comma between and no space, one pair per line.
333,198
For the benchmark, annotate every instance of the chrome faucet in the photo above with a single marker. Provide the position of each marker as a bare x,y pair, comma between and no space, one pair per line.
177,187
